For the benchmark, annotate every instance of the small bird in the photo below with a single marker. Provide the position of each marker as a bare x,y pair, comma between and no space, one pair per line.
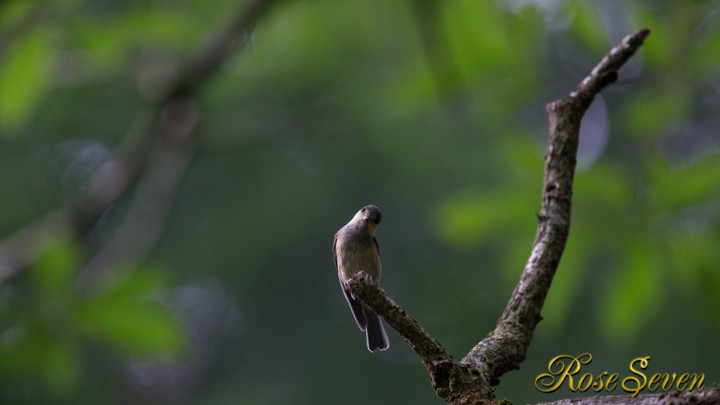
356,250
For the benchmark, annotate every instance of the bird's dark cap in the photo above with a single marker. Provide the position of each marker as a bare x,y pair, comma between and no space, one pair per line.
373,213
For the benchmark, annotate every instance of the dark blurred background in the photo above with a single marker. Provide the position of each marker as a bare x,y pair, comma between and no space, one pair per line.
222,289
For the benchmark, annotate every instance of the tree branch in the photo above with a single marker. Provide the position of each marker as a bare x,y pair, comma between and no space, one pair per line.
154,197
444,371
507,345
113,179
470,381
428,349
708,396
220,48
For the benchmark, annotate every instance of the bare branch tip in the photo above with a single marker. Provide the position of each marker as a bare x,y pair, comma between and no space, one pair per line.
636,39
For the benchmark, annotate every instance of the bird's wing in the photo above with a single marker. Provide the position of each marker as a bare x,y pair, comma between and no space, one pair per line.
356,307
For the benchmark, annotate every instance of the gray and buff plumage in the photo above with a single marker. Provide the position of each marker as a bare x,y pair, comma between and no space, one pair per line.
355,250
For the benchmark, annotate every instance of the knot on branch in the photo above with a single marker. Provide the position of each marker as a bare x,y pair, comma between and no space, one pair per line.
465,384
442,373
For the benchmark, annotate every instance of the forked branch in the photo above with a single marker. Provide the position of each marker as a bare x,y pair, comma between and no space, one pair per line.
470,380
507,346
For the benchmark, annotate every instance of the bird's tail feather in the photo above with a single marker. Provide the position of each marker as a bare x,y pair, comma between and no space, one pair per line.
375,333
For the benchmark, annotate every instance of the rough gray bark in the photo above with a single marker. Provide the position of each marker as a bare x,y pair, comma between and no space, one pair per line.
470,380
708,396
507,346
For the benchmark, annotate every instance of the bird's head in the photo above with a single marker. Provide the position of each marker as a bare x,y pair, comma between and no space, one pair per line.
369,216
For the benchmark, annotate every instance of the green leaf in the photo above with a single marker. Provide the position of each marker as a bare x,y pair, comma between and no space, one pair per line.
587,27
136,281
649,113
472,218
126,318
33,351
658,51
107,41
134,327
55,271
477,33
23,74
707,52
694,184
604,189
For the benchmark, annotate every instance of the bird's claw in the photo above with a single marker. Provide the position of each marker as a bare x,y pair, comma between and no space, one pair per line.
367,278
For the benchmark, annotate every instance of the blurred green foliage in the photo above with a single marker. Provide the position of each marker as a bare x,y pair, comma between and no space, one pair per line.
433,111
25,68
48,321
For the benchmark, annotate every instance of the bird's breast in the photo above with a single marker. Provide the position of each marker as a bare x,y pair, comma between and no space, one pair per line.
355,256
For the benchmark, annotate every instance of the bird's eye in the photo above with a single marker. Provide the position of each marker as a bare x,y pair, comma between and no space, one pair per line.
363,210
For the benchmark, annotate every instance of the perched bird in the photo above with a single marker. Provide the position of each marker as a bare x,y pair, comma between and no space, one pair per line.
355,250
